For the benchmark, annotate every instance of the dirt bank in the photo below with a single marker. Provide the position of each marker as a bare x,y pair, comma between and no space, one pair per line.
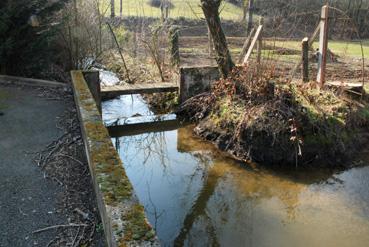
263,119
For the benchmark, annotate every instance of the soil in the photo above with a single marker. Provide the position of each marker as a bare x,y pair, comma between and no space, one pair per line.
280,124
283,154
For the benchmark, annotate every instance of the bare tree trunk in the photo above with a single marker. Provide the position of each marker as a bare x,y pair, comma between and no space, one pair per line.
112,8
245,4
121,9
76,41
250,23
120,53
244,13
223,57
162,11
100,25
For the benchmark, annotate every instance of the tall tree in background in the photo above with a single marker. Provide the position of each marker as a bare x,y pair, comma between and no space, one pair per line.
112,8
251,16
223,57
121,9
245,8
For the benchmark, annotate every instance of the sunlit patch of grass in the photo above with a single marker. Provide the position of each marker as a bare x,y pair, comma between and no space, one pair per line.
341,48
182,8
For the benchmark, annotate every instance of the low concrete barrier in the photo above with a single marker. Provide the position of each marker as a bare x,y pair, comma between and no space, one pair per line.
196,80
31,81
124,219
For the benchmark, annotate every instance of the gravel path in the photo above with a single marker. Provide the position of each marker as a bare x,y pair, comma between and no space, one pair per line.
32,198
27,200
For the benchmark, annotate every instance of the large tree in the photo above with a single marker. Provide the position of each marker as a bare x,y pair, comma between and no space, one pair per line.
251,17
223,56
112,8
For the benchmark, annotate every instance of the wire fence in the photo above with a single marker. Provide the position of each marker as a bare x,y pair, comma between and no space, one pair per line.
282,36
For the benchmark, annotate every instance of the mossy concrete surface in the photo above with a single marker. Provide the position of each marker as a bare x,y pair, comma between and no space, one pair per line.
124,219
196,80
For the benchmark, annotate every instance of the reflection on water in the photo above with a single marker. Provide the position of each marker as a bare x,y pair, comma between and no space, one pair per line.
125,107
195,196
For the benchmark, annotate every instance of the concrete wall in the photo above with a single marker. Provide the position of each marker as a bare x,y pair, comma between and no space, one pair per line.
196,80
123,218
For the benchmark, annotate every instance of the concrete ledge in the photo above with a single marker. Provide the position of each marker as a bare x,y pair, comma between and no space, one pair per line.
31,82
124,220
114,91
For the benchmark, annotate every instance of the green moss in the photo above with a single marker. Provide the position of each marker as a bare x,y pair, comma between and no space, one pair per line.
364,113
81,86
111,176
109,173
137,227
227,113
90,106
96,131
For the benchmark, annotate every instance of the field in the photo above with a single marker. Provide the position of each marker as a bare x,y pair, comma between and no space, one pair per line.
283,53
341,48
195,49
182,8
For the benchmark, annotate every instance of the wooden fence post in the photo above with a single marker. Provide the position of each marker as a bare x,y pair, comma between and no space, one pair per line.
246,45
323,45
174,46
311,41
166,12
260,41
253,43
305,59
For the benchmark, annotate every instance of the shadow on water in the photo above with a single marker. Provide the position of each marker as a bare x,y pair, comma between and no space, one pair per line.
195,195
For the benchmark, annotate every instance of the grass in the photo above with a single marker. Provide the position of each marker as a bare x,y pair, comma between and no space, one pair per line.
182,8
341,48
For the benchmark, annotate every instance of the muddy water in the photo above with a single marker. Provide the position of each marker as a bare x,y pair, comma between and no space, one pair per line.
195,195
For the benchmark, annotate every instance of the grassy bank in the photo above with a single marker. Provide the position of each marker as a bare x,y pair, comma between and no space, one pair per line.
341,48
261,119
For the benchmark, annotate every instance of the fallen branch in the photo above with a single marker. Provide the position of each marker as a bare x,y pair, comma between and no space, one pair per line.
120,52
72,158
58,226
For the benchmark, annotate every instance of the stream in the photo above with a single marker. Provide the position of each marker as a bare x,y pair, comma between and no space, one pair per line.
195,195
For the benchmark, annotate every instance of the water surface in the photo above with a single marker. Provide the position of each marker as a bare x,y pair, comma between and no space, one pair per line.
194,195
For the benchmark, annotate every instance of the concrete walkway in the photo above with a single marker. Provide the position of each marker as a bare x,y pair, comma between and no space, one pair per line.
27,200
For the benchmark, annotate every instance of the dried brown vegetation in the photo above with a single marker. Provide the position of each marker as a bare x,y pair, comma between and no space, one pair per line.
256,116
64,162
